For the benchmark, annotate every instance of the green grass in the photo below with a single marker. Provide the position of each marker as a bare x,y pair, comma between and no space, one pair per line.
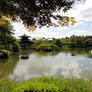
7,86
47,84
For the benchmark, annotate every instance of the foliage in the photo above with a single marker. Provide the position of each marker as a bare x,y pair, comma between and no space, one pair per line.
36,43
16,47
4,53
63,43
7,86
2,46
74,41
36,87
58,42
47,47
39,12
48,84
7,41
5,27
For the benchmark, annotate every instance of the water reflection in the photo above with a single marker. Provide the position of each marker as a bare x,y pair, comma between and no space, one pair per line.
75,62
61,63
7,66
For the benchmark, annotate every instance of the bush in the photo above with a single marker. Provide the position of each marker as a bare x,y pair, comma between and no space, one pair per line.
7,86
47,47
16,47
4,53
58,42
47,84
34,45
36,87
51,84
2,46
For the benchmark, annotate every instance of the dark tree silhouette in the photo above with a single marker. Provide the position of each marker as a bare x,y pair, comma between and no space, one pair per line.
36,12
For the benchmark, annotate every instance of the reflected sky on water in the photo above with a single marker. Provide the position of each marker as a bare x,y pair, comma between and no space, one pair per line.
79,65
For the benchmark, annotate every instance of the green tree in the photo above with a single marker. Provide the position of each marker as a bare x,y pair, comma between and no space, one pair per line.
58,42
7,41
37,12
5,31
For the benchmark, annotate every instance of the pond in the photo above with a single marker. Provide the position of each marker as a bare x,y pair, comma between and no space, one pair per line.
71,62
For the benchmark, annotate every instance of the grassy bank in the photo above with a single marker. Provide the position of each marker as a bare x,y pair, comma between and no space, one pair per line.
47,84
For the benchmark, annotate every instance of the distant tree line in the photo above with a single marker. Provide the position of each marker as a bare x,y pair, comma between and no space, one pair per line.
57,44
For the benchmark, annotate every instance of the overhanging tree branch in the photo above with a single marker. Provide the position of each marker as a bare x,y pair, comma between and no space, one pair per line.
36,12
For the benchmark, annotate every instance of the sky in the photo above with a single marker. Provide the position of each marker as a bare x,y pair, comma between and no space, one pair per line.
83,15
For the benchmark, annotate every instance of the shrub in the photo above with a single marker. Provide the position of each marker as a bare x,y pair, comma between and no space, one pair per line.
7,86
4,53
47,47
36,87
52,84
58,42
47,84
35,45
2,46
16,47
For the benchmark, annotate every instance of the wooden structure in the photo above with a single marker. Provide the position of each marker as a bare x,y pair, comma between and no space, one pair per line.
89,41
25,42
89,38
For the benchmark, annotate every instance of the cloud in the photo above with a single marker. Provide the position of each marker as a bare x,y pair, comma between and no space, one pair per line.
77,32
20,29
86,10
52,66
51,32
87,14
91,25
38,65
82,13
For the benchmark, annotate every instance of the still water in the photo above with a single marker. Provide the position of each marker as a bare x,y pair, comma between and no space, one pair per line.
71,62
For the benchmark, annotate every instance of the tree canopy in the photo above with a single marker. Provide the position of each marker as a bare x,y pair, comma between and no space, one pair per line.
5,27
37,12
7,41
